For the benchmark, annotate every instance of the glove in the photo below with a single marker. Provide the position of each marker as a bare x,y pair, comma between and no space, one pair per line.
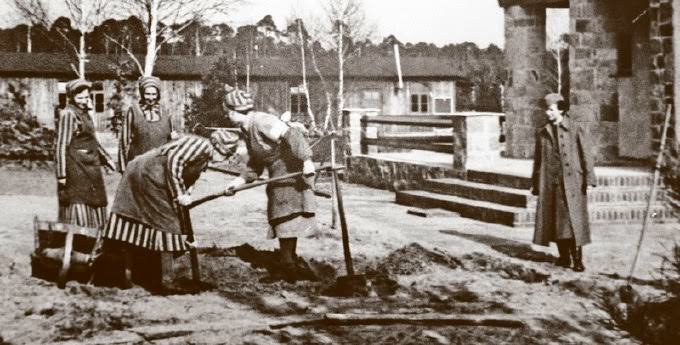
308,168
235,183
174,135
184,199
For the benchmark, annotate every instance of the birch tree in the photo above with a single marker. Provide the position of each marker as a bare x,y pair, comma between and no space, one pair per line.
164,20
346,23
85,15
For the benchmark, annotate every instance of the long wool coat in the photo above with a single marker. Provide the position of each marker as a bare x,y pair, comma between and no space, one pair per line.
577,174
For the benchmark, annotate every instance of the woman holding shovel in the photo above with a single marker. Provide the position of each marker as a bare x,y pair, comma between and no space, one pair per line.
79,158
282,150
146,212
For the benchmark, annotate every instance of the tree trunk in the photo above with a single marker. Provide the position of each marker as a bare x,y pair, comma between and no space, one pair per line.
82,57
326,90
341,62
150,58
312,123
29,41
197,37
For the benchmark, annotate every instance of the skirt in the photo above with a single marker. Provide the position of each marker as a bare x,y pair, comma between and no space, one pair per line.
130,231
83,215
293,226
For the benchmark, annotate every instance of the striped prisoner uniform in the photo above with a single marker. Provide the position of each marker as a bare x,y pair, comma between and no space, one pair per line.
77,213
151,220
150,132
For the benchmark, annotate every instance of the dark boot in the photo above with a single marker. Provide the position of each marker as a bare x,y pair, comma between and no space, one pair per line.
563,249
577,256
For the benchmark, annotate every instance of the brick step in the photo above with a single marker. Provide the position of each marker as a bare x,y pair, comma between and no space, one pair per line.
518,217
522,197
524,182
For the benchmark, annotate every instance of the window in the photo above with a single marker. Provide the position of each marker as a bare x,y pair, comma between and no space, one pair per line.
371,98
442,106
419,103
298,101
97,95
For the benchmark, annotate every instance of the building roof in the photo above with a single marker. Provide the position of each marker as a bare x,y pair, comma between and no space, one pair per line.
194,67
546,3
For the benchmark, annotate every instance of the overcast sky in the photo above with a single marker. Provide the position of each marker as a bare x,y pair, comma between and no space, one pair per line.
434,21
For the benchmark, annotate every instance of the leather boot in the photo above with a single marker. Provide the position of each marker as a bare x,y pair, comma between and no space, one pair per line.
577,257
563,249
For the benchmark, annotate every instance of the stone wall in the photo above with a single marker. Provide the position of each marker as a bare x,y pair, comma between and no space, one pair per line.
662,73
593,65
383,173
524,55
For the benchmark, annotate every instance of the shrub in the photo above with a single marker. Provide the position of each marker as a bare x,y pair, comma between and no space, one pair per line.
21,135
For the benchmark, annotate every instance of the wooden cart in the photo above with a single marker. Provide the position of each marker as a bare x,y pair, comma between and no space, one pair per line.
62,252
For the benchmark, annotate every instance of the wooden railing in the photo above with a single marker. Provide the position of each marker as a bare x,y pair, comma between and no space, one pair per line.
420,139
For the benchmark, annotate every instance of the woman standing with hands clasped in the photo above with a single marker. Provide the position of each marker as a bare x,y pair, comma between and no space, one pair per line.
282,150
79,158
145,126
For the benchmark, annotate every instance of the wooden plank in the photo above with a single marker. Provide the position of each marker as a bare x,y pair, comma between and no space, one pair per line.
43,225
432,319
427,138
398,143
425,121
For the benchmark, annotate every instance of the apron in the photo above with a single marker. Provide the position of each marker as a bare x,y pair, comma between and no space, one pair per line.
84,180
147,135
144,192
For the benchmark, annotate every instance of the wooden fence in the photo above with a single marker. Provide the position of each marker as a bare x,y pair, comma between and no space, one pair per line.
420,134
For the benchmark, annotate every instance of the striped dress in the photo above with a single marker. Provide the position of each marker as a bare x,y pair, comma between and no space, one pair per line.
69,126
145,212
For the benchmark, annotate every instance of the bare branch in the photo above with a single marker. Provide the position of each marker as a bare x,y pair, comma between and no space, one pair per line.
130,54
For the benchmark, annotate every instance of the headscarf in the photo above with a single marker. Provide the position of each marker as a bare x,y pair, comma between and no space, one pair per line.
76,84
225,142
552,98
238,100
145,82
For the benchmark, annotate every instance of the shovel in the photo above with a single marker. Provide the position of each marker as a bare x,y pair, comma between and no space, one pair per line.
352,284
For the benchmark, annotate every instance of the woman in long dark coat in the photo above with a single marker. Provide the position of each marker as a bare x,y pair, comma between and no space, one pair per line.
281,150
145,214
562,172
145,126
79,159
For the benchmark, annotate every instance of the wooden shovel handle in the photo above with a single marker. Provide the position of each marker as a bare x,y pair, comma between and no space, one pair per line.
257,184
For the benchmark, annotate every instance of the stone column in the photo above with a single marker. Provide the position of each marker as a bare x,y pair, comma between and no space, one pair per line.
475,140
524,54
676,67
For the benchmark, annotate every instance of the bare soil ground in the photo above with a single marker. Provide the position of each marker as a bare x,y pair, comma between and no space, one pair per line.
441,265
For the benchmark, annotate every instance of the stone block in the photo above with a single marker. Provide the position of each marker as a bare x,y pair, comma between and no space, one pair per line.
582,25
583,79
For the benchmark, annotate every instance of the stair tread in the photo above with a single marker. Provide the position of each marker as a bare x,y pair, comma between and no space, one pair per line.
446,197
471,202
480,185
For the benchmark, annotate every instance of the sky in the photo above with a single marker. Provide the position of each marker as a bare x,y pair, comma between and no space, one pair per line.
433,21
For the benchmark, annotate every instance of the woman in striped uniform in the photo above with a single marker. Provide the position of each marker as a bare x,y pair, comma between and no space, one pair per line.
282,150
79,157
145,126
145,218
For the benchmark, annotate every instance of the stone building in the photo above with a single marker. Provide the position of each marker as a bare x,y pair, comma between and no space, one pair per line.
622,68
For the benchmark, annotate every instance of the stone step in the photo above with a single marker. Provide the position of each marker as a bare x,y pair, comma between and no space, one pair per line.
522,197
481,191
524,182
475,209
519,217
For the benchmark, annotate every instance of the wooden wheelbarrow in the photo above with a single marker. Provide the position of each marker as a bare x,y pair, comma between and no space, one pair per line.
62,252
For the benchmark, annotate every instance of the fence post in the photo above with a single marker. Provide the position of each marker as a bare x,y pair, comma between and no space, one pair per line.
364,126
